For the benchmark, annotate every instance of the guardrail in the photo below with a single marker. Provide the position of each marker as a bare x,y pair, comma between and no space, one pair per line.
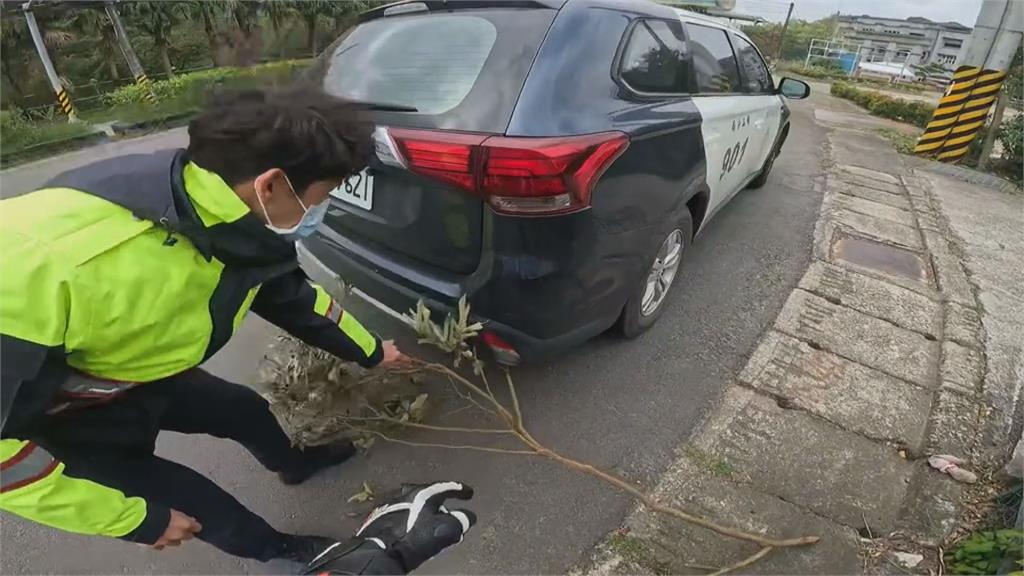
95,99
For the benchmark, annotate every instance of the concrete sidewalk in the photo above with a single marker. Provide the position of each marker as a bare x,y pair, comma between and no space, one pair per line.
902,340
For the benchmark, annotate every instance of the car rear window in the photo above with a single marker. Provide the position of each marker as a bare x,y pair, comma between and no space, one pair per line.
460,70
427,63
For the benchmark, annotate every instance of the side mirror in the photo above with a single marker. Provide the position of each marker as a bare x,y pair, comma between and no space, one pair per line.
794,89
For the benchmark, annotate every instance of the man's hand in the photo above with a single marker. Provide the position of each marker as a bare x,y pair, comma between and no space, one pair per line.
181,527
391,353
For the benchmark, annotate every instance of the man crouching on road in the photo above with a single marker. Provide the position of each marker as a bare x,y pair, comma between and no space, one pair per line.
121,277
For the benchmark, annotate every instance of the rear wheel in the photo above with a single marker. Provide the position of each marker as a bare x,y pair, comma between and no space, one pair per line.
762,178
647,302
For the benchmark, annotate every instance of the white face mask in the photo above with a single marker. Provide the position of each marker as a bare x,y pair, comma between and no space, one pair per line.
311,219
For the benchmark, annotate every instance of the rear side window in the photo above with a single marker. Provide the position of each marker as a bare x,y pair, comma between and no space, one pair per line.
654,59
714,63
756,76
429,64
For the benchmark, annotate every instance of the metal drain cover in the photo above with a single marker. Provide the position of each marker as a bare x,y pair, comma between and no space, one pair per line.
881,257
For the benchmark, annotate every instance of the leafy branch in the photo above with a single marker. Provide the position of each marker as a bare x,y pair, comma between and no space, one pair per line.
453,336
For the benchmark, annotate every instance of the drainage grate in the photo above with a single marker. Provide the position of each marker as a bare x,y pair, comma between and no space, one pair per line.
880,257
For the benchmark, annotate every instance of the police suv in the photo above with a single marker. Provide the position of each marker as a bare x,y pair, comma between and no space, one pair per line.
550,159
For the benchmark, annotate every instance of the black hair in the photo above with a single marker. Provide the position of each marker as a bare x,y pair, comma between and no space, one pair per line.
305,132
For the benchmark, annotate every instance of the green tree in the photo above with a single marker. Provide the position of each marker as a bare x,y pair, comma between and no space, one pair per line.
93,25
18,60
15,44
798,37
209,12
344,13
312,12
157,20
280,14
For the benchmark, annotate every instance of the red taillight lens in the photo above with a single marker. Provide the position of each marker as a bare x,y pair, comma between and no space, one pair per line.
504,353
446,156
515,175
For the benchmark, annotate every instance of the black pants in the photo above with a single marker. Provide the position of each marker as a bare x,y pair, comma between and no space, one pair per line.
112,444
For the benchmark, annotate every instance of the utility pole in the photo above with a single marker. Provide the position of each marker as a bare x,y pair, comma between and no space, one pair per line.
126,48
990,136
782,34
997,34
51,73
976,85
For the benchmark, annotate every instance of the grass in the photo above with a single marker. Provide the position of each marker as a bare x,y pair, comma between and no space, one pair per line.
636,552
18,134
712,464
23,135
132,113
903,142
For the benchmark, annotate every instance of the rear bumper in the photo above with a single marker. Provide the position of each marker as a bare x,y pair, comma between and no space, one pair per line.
541,305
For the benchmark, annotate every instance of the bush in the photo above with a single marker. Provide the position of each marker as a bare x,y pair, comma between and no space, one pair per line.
1011,138
18,132
193,88
910,111
817,72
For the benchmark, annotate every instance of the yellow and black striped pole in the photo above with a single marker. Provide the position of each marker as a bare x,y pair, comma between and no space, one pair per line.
65,104
961,113
143,81
949,108
972,117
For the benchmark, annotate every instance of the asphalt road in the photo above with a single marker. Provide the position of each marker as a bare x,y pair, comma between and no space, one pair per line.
623,405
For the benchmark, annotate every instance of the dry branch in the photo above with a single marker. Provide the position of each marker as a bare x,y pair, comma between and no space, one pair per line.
363,417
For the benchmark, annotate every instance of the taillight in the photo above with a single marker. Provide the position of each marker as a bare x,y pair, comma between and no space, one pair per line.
504,353
515,175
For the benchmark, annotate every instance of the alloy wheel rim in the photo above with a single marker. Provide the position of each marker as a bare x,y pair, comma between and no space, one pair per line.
662,273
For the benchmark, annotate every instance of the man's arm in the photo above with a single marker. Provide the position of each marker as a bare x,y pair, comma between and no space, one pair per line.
308,312
33,483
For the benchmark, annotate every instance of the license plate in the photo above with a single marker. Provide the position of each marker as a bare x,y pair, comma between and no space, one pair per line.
356,190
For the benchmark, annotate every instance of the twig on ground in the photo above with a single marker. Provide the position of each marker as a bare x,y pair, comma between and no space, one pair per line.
387,438
745,562
866,526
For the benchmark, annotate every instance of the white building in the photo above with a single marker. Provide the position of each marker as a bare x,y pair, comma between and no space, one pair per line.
915,40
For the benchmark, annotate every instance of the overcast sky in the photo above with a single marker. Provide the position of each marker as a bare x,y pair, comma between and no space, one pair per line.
963,11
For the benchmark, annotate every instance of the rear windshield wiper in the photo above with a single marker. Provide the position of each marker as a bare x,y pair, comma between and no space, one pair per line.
385,107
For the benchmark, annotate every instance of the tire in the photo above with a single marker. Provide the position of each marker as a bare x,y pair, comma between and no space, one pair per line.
637,316
762,177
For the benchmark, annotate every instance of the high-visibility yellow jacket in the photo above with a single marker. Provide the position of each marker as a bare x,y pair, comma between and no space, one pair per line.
120,273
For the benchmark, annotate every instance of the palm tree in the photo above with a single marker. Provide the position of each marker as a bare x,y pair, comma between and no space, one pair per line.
246,40
344,13
209,12
14,45
156,19
280,13
85,22
17,48
311,11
